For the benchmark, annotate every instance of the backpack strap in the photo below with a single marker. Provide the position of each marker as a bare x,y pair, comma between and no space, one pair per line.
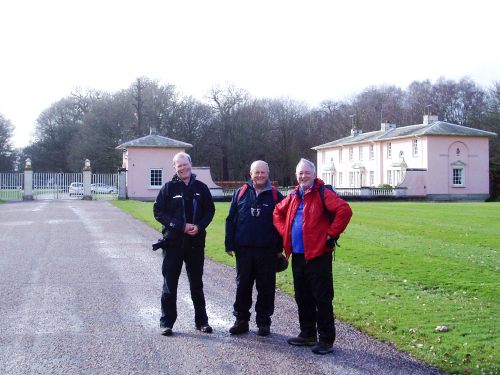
243,189
322,195
326,213
275,194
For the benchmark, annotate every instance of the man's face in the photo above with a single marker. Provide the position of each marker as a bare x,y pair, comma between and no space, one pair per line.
259,175
305,176
182,167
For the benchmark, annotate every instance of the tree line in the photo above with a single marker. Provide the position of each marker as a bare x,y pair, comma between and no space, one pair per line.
229,128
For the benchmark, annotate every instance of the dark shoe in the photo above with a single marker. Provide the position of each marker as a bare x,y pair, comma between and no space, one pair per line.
205,328
239,327
166,331
302,341
264,331
322,348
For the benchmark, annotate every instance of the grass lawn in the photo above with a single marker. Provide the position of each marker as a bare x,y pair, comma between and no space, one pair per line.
405,268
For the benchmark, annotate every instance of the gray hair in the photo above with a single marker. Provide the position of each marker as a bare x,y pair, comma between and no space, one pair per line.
182,155
309,163
256,162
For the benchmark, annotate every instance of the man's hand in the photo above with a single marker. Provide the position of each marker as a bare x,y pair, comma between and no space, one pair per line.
191,229
230,253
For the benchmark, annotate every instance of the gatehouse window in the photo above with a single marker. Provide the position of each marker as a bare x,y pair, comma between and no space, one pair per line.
155,177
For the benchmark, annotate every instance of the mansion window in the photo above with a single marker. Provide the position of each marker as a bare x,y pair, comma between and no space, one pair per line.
323,156
389,177
372,178
458,177
389,150
351,179
155,177
340,155
372,152
415,147
360,152
351,153
340,179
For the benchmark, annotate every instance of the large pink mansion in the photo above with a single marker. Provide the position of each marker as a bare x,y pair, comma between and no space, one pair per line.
435,159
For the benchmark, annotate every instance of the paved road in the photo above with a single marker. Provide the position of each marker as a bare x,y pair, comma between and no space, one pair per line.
79,292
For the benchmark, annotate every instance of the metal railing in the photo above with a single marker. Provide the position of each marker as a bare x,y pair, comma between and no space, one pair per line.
11,186
105,186
344,192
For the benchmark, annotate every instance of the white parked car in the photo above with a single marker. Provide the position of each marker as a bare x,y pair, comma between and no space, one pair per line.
101,188
75,188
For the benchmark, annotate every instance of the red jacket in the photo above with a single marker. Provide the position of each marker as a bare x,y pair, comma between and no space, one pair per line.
315,224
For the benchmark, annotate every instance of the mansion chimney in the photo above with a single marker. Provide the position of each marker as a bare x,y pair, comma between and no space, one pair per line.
385,126
355,131
429,119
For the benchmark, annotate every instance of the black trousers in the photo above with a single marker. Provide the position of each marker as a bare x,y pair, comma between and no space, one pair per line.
173,258
255,264
313,284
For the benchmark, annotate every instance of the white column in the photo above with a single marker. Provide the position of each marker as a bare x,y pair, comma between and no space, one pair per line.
122,183
87,180
28,181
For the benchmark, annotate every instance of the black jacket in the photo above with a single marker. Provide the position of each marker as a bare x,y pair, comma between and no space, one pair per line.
244,229
170,209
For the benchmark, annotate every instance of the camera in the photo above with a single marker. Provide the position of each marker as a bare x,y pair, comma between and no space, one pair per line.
162,242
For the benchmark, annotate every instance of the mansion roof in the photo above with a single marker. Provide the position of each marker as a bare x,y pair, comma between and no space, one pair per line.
437,128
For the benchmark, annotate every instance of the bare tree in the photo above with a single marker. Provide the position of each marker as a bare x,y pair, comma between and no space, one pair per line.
226,102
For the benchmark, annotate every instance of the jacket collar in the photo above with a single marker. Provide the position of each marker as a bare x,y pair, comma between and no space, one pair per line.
318,182
191,180
268,186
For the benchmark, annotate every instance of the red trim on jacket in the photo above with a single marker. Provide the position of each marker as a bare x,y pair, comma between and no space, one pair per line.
315,225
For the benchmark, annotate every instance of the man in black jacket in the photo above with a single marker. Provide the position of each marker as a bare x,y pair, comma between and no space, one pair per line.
184,207
251,235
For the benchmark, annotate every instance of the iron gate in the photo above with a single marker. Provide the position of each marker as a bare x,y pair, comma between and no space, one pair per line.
54,186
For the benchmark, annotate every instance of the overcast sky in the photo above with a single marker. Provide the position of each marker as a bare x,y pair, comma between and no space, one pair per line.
306,50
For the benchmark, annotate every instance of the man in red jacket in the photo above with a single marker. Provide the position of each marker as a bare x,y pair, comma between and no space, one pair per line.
308,233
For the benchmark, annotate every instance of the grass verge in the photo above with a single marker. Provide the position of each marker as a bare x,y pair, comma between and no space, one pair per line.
405,268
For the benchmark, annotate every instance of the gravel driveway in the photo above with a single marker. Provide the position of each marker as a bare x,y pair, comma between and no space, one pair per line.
80,289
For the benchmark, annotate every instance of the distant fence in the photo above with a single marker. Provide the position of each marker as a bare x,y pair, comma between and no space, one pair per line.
29,185
364,192
11,186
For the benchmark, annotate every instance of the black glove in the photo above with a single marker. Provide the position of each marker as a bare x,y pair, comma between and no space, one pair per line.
332,242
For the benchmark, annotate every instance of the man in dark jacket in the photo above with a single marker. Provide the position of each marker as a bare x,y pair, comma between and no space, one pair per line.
250,235
184,207
309,234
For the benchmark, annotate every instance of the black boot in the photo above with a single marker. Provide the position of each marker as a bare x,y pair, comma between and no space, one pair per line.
239,327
